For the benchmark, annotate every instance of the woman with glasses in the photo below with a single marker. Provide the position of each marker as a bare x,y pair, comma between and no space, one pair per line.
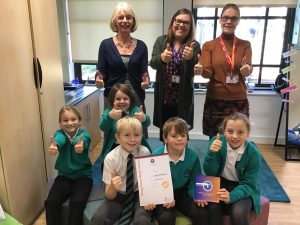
173,57
226,61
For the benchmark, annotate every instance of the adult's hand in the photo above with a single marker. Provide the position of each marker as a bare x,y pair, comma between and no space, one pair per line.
99,80
167,54
198,68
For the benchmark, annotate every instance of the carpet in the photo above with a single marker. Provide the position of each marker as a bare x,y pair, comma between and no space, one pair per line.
269,185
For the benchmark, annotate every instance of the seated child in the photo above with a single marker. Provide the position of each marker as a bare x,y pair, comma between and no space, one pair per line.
129,136
74,180
237,161
122,102
185,166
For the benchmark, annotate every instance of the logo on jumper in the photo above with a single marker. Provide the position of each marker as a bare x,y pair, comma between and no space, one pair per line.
206,185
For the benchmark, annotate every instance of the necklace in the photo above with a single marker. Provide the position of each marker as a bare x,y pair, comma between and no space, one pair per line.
124,45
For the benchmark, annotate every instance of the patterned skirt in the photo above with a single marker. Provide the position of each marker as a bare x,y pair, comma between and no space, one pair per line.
215,110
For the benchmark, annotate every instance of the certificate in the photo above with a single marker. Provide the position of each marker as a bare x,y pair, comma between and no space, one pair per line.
206,188
154,179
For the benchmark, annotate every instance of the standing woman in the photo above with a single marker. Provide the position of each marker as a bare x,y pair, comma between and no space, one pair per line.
174,56
226,61
122,58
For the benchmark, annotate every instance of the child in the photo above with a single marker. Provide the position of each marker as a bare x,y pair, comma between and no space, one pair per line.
185,166
122,102
129,136
237,162
74,180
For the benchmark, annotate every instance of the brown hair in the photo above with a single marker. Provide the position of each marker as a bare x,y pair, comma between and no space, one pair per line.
233,6
191,35
234,116
126,90
69,108
128,10
180,126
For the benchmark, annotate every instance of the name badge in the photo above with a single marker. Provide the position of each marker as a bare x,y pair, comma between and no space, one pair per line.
232,79
175,79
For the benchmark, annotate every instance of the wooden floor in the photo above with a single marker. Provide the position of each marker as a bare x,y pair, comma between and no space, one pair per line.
288,174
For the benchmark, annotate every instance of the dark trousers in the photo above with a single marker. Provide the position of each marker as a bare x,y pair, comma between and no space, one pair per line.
187,206
110,211
238,211
167,113
77,190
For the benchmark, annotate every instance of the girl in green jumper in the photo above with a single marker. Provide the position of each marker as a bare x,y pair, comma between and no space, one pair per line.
237,162
74,180
122,103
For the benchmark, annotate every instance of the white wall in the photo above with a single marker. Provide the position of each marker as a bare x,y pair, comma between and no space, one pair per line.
264,115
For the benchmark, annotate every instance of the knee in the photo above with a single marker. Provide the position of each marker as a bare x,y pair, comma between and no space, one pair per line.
166,219
99,220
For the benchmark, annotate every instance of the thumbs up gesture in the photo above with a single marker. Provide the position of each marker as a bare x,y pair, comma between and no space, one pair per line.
79,146
115,113
140,115
245,69
146,81
116,181
99,80
53,150
198,68
167,54
216,145
188,51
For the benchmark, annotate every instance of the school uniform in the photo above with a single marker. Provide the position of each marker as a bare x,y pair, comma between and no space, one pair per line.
110,211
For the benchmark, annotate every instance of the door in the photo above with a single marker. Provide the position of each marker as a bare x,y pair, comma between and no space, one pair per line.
23,183
47,50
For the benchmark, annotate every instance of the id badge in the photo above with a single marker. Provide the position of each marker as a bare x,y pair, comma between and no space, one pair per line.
175,79
232,79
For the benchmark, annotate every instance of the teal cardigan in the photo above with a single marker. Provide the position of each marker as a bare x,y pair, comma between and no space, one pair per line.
184,172
69,163
108,126
247,171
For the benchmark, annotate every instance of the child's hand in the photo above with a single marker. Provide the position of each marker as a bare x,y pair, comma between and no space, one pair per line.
224,195
79,146
169,204
145,82
200,203
216,145
140,115
116,181
115,113
53,150
149,207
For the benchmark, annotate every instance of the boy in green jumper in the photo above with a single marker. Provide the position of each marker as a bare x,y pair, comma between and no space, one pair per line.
185,166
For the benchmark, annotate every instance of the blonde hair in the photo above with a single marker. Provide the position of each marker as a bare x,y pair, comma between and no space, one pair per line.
128,122
69,108
122,6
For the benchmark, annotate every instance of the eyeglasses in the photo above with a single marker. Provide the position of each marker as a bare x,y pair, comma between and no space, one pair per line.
232,18
183,22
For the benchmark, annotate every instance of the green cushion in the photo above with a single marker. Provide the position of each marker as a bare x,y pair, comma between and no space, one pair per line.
9,220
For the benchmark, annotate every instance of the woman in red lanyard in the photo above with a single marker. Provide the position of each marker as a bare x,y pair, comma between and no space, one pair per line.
226,61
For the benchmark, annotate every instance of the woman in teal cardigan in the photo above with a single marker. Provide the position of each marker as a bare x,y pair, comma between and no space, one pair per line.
122,103
237,162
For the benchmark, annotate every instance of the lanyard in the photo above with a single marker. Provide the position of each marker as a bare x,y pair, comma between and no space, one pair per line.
176,58
230,60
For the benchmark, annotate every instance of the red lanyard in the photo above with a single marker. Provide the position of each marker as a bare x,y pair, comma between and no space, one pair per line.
229,60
